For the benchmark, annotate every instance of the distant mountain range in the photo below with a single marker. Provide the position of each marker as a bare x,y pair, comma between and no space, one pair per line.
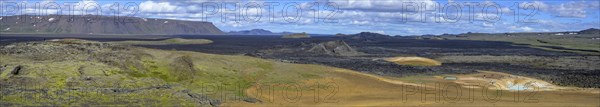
91,24
263,32
257,32
370,36
586,31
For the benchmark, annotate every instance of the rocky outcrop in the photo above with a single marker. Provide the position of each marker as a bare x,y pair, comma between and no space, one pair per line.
89,24
16,70
202,99
337,48
252,100
183,67
79,72
2,68
59,50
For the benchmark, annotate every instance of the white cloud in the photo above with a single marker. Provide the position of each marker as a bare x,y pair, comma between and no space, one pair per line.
521,29
382,5
204,1
571,9
488,24
525,28
577,9
537,4
379,31
87,5
506,10
360,22
157,7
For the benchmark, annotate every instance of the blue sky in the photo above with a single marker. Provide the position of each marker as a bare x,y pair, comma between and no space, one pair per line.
397,17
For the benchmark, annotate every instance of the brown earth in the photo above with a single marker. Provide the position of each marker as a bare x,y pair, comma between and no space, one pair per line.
349,88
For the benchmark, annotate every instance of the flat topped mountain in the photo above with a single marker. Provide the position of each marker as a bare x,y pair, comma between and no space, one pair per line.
365,36
90,24
252,32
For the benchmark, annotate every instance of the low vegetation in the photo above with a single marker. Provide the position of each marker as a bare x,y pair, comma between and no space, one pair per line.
296,36
414,61
87,73
79,72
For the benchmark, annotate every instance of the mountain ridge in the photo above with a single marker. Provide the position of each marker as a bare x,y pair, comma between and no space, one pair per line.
93,24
